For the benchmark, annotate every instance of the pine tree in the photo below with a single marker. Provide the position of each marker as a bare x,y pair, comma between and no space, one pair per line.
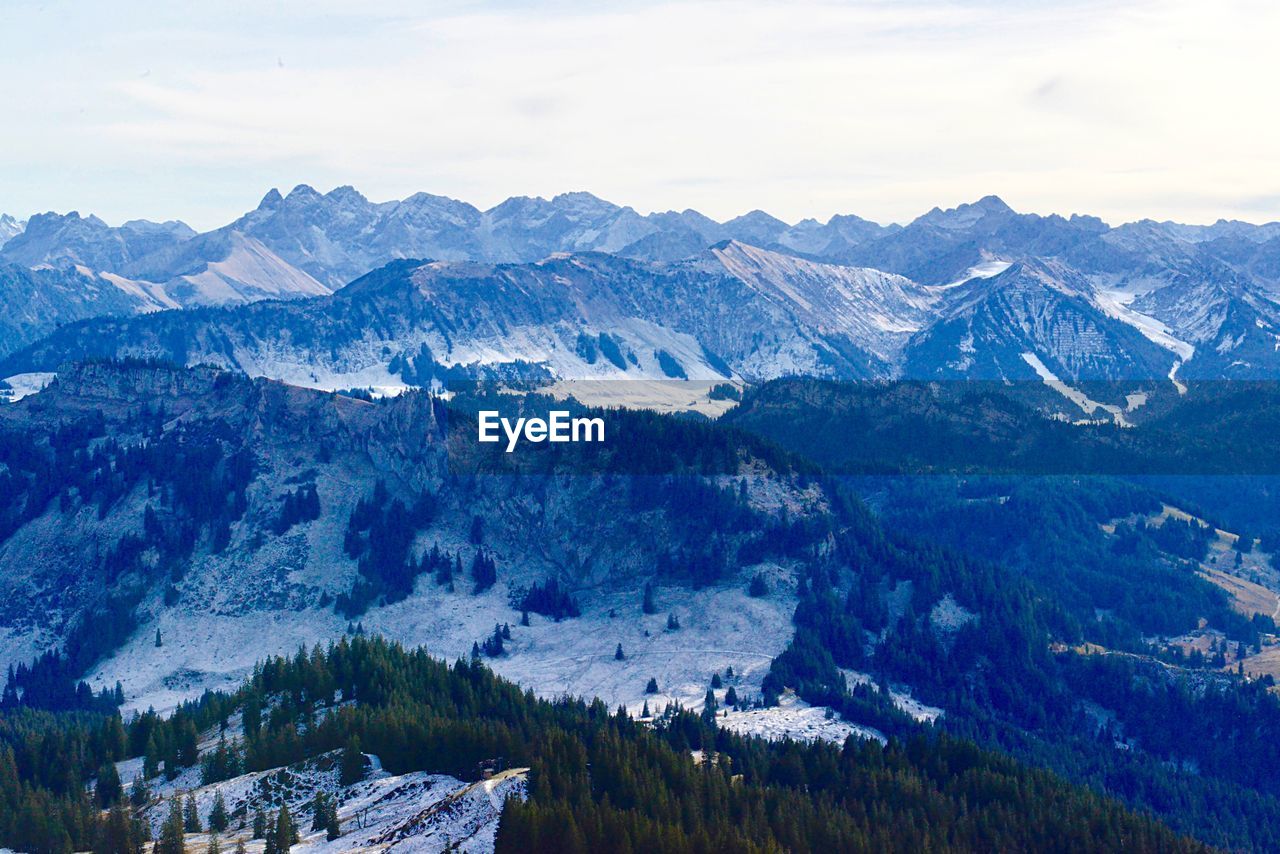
618,654
716,682
644,711
119,833
351,764
272,844
709,706
214,846
649,606
286,832
673,622
524,618
652,687
332,827
319,811
171,834
219,818
190,818
731,697
108,788
259,824
159,640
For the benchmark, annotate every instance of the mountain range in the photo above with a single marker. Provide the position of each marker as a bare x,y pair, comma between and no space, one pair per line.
577,287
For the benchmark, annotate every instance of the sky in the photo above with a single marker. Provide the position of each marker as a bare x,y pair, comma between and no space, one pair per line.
804,109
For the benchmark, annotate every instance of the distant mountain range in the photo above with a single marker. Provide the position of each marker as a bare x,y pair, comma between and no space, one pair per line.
578,287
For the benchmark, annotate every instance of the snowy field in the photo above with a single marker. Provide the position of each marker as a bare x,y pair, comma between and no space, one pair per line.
720,627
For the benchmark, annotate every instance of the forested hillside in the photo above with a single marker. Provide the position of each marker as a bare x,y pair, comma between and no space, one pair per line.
598,779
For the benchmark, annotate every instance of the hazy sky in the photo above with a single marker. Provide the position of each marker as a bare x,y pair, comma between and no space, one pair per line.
883,109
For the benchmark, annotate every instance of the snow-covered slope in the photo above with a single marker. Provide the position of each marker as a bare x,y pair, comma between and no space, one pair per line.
1048,310
735,311
414,812
1233,324
10,228
266,592
878,310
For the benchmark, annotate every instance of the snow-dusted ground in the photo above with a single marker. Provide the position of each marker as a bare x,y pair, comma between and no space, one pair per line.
984,270
901,699
794,718
21,385
415,812
1116,304
720,627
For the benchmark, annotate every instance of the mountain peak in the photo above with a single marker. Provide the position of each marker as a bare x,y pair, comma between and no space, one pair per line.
991,204
346,193
302,192
271,200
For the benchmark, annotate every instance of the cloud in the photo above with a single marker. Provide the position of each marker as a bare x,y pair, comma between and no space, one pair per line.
812,108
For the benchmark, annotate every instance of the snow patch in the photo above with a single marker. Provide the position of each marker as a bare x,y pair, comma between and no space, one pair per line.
22,385
1074,395
795,719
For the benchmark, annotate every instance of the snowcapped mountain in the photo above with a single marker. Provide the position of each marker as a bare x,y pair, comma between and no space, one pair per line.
987,325
1233,324
10,228
938,247
675,294
70,240
878,310
37,301
223,267
735,310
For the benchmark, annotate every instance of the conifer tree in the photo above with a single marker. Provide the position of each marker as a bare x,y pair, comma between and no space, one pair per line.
319,811
652,687
286,833
219,818
351,764
709,707
190,817
171,834
618,654
259,824
649,606
108,786
272,844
